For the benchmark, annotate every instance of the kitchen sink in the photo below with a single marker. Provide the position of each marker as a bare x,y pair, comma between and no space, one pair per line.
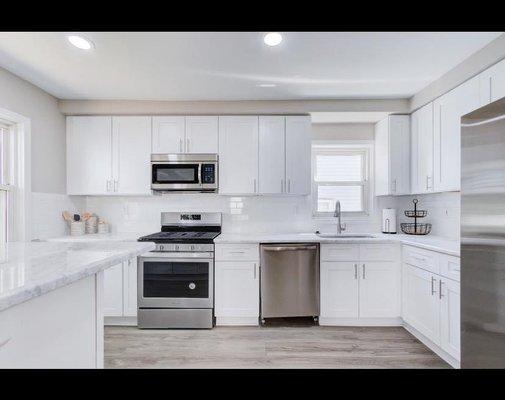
344,235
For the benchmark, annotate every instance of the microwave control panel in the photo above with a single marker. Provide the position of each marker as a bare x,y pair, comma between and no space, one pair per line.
208,173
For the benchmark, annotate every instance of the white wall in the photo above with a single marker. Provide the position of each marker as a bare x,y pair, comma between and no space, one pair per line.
343,131
48,171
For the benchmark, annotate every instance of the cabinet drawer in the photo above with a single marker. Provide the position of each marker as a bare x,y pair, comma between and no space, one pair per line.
237,252
425,259
379,252
450,266
339,252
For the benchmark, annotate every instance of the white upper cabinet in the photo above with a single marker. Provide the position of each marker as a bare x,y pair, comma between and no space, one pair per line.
422,150
168,135
89,155
131,155
492,82
298,153
202,134
448,110
392,156
179,134
272,150
238,154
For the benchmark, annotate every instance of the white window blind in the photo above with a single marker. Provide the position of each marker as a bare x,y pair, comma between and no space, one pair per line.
339,174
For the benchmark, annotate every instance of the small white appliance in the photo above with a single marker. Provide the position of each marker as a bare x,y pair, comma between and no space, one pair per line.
389,220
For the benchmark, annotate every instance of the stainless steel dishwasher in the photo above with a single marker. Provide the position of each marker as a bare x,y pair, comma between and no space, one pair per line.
289,280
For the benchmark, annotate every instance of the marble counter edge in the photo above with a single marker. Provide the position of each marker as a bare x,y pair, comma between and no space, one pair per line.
65,279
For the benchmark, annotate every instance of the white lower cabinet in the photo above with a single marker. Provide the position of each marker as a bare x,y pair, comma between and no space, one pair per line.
130,288
431,302
364,287
237,289
113,291
339,290
120,291
379,290
421,307
450,332
236,284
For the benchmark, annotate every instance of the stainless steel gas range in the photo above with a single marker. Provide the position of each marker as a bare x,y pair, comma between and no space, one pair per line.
176,281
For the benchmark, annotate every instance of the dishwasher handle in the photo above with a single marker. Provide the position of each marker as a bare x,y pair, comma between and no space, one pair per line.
289,248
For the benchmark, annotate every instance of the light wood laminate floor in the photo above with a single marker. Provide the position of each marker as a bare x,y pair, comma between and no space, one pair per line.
267,347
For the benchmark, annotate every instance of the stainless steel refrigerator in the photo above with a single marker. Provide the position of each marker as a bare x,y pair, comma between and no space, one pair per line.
483,237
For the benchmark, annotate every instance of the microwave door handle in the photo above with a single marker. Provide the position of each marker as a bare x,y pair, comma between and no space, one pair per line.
200,174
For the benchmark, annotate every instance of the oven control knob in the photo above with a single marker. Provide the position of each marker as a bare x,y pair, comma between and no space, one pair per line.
192,286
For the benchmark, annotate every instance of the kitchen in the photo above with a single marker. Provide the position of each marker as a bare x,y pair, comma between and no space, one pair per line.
292,221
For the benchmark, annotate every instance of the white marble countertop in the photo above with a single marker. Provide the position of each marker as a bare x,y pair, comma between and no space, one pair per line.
429,242
30,269
434,243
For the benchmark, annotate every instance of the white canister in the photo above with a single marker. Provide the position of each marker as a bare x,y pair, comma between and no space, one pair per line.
389,220
103,228
91,225
76,228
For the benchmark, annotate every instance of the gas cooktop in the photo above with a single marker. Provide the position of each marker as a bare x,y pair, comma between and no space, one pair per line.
184,236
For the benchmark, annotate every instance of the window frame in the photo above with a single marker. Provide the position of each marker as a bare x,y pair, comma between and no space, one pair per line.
362,147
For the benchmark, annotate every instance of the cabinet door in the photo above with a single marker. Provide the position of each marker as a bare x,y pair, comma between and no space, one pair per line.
382,187
130,288
379,290
422,150
298,151
131,150
399,154
168,135
450,333
237,289
492,82
202,134
238,155
272,167
339,290
448,110
421,307
89,155
113,291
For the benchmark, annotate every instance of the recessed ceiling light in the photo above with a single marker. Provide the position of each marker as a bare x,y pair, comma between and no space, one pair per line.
272,38
80,42
266,85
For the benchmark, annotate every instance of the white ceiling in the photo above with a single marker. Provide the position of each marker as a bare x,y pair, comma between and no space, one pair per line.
230,65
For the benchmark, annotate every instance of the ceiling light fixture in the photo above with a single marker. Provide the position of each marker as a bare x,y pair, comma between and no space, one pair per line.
272,38
266,85
80,42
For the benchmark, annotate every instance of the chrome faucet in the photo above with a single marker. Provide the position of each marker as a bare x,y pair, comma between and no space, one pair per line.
338,214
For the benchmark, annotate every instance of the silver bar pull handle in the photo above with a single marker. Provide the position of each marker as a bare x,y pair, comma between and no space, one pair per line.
355,271
440,295
187,145
364,276
180,146
289,248
282,185
433,285
254,184
289,185
116,185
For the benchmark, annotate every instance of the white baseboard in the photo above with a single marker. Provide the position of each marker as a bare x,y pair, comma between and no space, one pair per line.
324,321
433,346
237,321
120,321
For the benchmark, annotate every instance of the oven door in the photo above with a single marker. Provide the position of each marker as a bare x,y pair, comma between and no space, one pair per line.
176,280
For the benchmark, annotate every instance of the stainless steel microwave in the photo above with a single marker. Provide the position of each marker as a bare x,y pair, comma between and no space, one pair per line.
184,172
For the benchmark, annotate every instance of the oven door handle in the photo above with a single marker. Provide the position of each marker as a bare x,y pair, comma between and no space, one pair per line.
179,256
200,174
